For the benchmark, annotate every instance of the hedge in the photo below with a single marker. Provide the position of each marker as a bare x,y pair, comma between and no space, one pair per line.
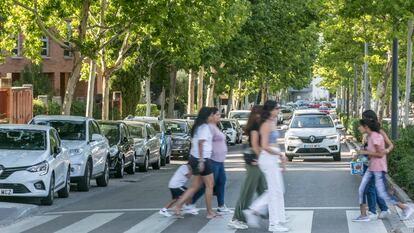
39,108
141,109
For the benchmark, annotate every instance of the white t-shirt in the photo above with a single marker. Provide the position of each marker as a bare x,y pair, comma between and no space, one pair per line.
179,179
202,133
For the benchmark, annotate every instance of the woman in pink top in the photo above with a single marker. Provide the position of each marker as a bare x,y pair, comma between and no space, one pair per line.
377,169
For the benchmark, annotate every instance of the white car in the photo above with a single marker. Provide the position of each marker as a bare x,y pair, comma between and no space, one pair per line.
312,133
241,116
88,148
285,113
230,131
33,163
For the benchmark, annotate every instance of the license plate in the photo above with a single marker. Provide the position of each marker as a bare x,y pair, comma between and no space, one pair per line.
311,146
6,192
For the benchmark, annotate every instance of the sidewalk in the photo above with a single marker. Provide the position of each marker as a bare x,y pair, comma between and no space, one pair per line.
12,212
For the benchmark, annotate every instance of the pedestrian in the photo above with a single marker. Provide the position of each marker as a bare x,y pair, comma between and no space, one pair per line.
218,156
255,181
377,169
177,187
201,150
372,198
269,160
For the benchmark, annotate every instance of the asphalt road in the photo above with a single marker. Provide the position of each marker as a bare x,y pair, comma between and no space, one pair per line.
321,197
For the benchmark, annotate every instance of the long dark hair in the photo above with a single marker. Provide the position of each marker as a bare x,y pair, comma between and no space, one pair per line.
254,117
268,107
371,124
202,117
372,116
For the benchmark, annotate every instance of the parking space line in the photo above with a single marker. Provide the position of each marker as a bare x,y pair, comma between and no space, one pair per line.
28,224
90,223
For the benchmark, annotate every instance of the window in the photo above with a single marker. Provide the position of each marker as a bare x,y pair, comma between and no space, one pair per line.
67,53
136,131
92,130
67,130
16,50
21,139
53,142
45,46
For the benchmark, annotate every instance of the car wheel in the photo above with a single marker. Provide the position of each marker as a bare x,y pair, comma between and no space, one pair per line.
144,167
103,180
120,169
131,168
337,157
85,182
157,165
164,161
290,158
48,200
168,159
64,192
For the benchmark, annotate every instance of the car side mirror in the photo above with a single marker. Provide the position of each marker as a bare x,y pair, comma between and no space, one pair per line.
125,139
149,137
284,127
56,151
96,137
340,126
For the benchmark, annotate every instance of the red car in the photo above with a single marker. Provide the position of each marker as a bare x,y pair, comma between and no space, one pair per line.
324,109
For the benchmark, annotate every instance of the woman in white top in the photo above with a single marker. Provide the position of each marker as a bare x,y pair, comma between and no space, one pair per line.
201,150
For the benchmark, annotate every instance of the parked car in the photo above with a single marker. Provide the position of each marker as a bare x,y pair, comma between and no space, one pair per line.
181,137
284,114
324,109
163,135
239,130
241,116
33,163
230,130
146,145
88,148
312,133
121,151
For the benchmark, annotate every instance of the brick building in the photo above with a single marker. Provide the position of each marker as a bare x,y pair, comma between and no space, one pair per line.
56,64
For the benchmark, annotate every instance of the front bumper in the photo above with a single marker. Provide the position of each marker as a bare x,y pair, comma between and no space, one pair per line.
114,162
23,184
139,159
325,148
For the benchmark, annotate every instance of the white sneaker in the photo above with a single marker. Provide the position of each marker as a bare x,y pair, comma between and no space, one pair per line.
384,214
361,218
239,225
224,210
252,219
190,209
407,212
165,213
278,228
372,216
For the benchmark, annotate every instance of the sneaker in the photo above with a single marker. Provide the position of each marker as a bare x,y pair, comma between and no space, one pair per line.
361,218
372,216
407,212
223,209
384,214
190,209
236,224
278,228
252,219
165,213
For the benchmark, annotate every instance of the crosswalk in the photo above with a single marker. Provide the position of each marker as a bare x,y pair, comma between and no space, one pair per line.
301,221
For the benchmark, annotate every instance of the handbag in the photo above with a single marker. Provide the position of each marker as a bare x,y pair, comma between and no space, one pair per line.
249,155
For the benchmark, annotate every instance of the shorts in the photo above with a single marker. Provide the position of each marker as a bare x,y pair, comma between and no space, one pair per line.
177,192
194,166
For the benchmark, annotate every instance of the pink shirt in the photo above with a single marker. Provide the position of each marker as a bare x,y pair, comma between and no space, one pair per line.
377,164
219,144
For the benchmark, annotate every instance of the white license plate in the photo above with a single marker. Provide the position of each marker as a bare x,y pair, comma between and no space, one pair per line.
311,146
6,192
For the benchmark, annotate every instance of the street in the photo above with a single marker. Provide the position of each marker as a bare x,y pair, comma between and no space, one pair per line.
321,197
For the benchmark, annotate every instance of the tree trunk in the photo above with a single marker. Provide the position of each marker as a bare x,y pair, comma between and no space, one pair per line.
91,89
406,120
171,98
148,93
230,101
105,96
191,83
263,96
386,70
210,93
71,85
200,87
162,113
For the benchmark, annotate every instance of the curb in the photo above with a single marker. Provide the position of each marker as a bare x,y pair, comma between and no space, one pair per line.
13,212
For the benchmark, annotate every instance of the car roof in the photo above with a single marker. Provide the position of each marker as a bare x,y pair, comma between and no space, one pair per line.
62,117
141,118
24,126
177,120
106,122
129,122
308,112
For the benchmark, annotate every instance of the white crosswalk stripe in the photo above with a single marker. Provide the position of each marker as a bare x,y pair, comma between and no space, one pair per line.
153,224
218,224
90,223
300,221
359,227
28,224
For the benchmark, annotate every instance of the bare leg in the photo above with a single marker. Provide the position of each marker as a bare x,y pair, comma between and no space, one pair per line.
170,203
195,185
209,183
401,205
363,209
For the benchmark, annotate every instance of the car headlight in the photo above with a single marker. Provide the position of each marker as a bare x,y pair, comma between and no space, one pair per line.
179,142
292,138
332,137
113,150
42,168
76,151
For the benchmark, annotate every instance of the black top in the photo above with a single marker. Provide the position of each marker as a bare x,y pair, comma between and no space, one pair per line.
254,127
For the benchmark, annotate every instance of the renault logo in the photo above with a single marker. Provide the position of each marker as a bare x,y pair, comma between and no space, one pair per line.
1,169
312,138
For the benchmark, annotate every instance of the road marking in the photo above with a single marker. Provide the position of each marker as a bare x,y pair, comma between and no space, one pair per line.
157,209
28,224
218,224
153,224
300,221
90,223
359,227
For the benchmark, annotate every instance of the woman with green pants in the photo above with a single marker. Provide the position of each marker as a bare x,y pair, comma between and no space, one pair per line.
254,181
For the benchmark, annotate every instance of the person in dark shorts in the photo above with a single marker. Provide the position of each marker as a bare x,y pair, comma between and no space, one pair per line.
177,186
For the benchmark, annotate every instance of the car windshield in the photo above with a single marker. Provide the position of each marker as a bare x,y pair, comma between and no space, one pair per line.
157,127
312,121
136,131
111,132
68,130
15,139
176,127
323,108
226,124
239,115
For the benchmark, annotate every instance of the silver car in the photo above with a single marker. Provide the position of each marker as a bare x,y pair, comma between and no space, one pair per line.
181,137
146,145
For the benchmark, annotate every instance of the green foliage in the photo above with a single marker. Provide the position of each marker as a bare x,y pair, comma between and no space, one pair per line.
78,108
140,110
53,108
32,74
39,107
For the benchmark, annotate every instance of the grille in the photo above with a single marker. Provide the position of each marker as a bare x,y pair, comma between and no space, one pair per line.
17,188
8,171
307,140
312,150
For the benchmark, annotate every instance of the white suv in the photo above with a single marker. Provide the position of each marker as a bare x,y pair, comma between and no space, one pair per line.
33,163
312,133
88,148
